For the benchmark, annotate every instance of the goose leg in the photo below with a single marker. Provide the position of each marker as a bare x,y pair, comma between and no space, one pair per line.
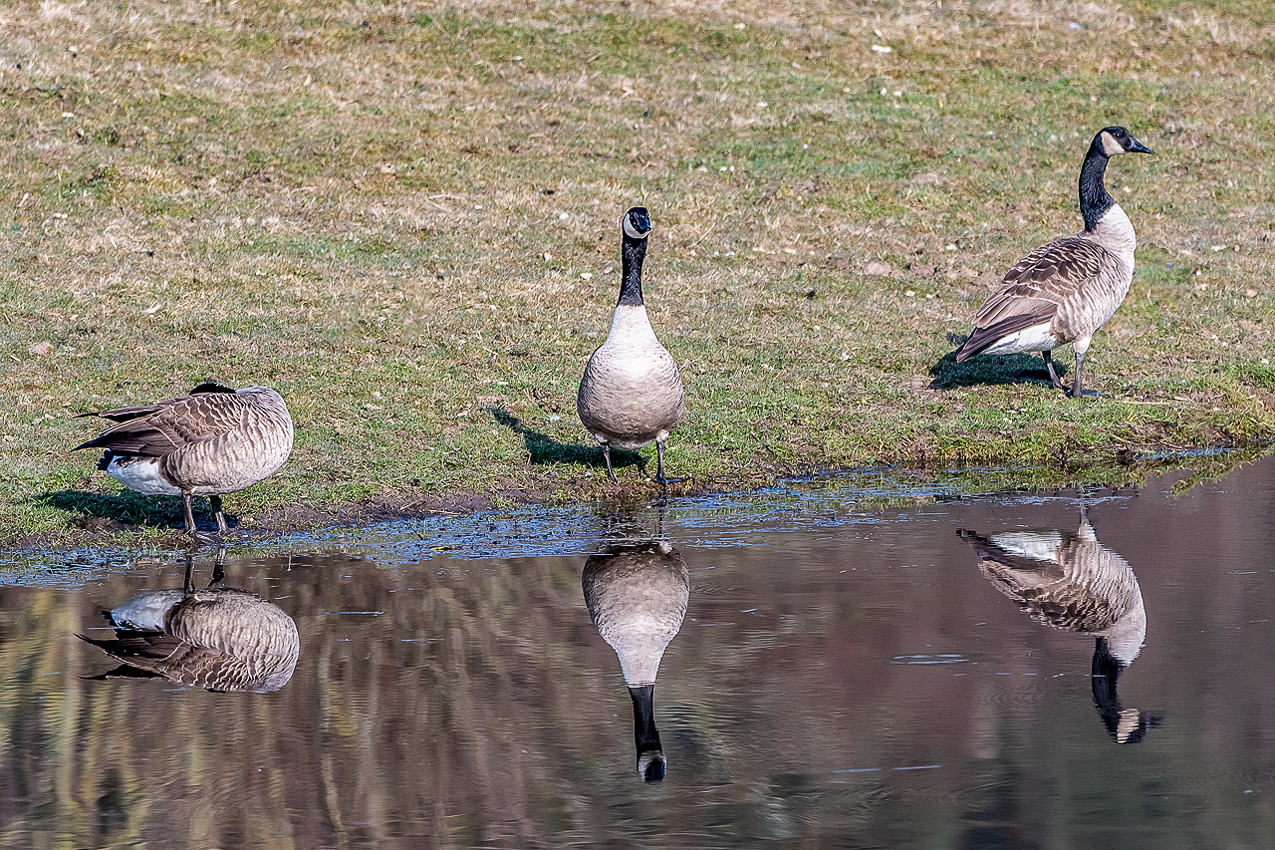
606,455
659,466
222,528
1053,376
1076,389
191,528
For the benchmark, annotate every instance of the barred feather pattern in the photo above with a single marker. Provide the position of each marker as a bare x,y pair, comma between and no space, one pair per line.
212,441
222,639
1074,283
1067,581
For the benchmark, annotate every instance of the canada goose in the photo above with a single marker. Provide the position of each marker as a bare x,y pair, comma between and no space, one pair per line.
220,639
631,392
636,595
1066,289
215,440
1070,581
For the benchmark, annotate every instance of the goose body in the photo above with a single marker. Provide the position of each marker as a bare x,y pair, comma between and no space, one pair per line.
1066,289
637,595
1072,582
631,392
213,441
221,639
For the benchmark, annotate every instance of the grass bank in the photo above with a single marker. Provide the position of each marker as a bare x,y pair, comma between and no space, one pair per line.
404,218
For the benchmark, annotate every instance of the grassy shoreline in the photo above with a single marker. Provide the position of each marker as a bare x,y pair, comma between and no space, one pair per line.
405,221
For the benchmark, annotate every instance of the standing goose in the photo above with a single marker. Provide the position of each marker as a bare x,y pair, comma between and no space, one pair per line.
1072,582
1066,289
636,595
215,440
631,392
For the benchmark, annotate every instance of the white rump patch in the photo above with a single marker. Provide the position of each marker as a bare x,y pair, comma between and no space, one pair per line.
145,611
1036,545
142,475
1035,338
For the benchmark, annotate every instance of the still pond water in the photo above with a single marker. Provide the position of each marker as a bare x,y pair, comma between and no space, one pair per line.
969,671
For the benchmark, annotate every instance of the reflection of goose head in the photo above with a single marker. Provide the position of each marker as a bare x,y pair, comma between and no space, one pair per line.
1125,725
221,639
637,594
1070,581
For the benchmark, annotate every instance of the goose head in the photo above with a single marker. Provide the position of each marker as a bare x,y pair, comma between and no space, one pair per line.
651,766
636,223
1113,141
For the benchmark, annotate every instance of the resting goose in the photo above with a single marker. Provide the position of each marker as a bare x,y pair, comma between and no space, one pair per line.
636,595
631,392
215,440
221,639
1066,289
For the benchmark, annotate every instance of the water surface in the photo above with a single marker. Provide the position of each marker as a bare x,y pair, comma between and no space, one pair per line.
840,679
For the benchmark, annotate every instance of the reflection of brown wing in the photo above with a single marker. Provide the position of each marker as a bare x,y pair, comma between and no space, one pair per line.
222,639
164,656
1084,587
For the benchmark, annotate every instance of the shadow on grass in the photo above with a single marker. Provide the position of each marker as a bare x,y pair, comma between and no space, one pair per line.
947,374
545,449
102,512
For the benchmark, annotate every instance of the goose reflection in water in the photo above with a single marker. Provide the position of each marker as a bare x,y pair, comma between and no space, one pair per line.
1068,580
637,594
220,638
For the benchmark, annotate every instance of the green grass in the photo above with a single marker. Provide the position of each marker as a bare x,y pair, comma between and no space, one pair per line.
390,217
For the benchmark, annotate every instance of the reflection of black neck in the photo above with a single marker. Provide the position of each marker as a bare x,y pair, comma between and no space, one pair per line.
631,254
1094,200
1106,671
645,736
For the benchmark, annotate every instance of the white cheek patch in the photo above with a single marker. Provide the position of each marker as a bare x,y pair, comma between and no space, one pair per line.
630,230
1110,146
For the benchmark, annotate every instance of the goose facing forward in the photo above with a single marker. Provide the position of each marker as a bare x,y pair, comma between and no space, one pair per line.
631,391
215,440
1063,291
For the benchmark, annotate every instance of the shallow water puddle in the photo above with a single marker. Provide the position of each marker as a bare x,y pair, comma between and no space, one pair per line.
972,671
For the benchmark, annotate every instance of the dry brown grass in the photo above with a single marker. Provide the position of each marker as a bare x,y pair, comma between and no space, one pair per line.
389,213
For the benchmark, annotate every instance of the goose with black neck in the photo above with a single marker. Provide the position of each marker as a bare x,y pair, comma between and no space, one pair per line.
631,392
1066,289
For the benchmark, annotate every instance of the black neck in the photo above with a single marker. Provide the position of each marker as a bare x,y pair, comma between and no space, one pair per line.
1094,200
645,735
632,253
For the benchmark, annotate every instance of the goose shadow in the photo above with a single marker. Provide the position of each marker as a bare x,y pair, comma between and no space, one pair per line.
947,374
129,510
545,449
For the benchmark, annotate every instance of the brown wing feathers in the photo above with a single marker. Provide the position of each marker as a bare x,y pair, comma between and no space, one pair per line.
159,429
1034,291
